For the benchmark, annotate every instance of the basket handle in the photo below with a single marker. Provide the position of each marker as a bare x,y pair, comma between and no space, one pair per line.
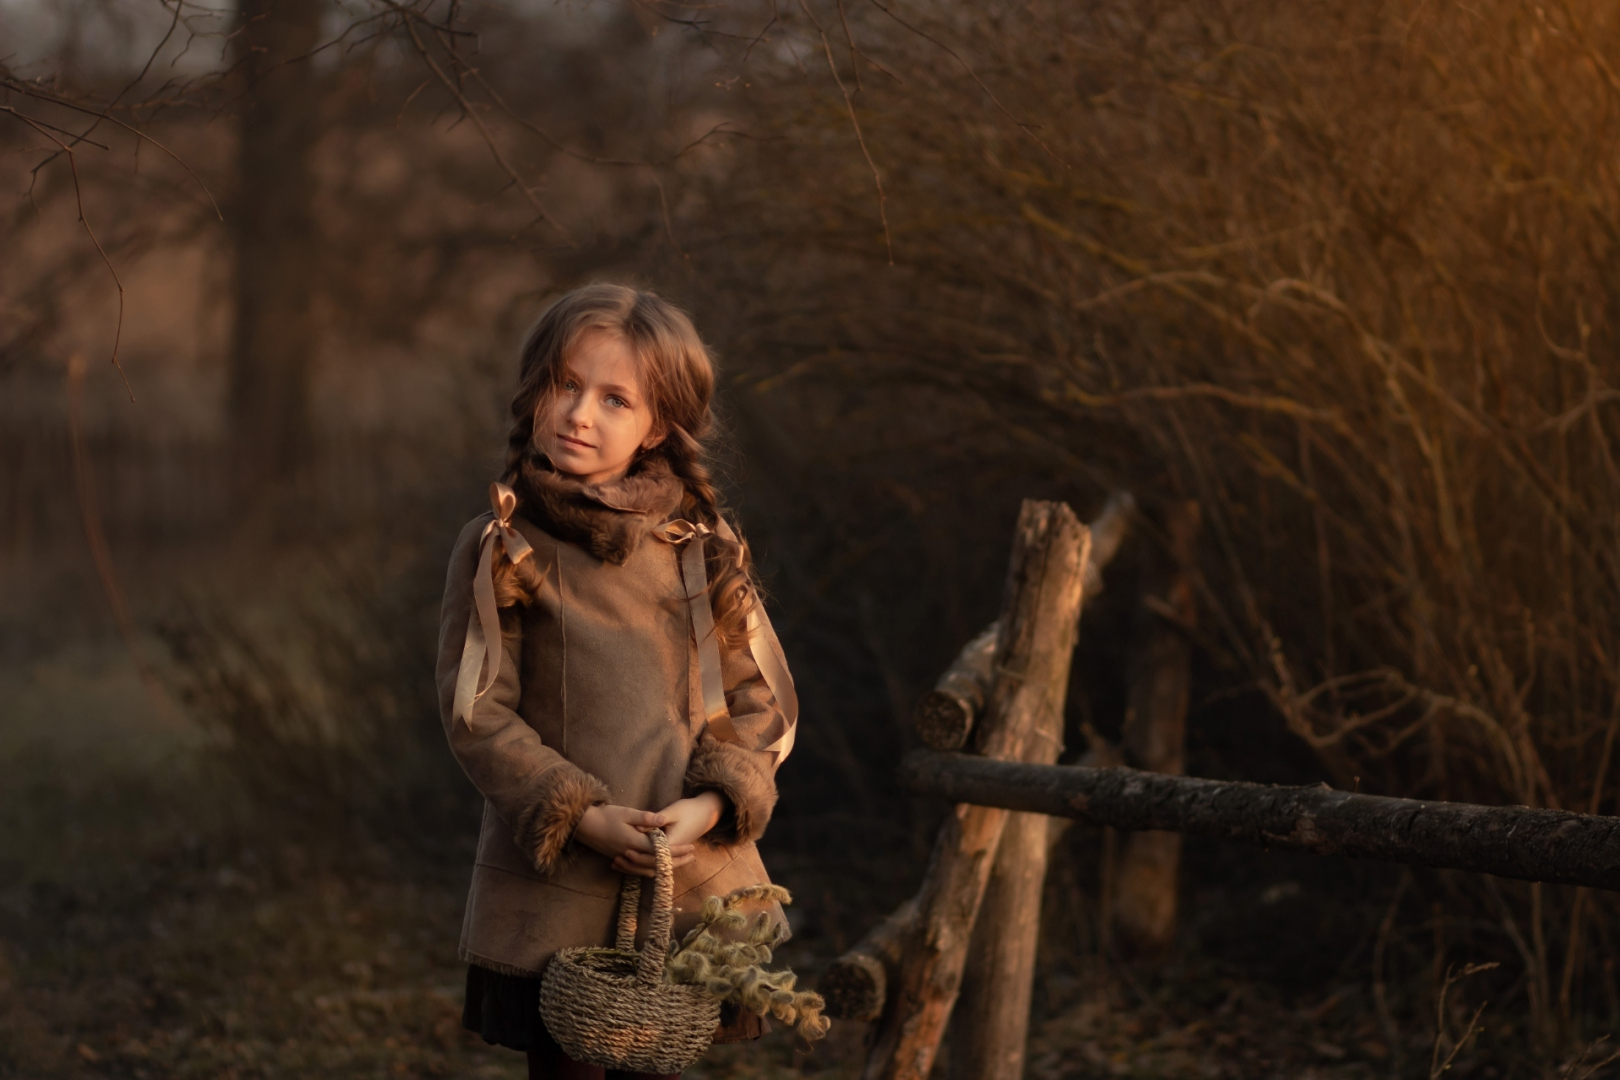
629,902
650,968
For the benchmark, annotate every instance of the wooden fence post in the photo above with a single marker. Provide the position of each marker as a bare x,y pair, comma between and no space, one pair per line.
1154,737
1040,612
990,1025
945,715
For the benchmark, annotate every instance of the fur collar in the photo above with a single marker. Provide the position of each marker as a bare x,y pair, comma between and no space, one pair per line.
608,520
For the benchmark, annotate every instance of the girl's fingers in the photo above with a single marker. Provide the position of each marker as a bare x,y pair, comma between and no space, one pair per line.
680,856
639,841
647,854
634,862
623,866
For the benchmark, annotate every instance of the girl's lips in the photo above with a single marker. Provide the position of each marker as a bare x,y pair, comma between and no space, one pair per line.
575,442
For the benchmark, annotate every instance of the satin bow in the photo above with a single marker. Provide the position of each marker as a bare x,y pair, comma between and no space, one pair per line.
687,537
485,625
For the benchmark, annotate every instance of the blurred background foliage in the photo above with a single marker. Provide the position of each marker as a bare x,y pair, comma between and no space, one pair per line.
1342,273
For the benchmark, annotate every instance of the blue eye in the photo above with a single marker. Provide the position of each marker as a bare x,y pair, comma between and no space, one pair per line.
618,402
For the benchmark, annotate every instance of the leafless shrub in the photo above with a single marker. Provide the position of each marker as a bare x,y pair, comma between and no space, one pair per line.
1343,273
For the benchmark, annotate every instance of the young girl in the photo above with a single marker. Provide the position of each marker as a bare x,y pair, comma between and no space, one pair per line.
605,666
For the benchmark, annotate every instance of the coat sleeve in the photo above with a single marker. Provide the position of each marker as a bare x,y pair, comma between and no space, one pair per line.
743,772
538,793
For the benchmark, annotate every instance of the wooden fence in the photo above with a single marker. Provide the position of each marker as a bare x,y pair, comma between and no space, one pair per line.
964,947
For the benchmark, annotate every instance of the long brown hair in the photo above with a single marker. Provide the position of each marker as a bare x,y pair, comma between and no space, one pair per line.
677,378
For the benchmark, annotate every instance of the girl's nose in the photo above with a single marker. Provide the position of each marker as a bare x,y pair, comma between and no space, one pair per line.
579,413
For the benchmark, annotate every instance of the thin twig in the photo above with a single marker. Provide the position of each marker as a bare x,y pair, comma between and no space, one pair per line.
96,537
1027,129
1437,1067
471,113
55,99
78,195
849,104
721,128
113,104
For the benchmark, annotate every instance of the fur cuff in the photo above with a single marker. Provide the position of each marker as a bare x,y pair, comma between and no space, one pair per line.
743,777
565,792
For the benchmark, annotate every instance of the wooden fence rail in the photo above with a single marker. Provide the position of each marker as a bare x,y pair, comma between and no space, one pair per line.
1508,841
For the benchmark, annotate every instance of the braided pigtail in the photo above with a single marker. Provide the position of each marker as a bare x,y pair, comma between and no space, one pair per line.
519,583
733,591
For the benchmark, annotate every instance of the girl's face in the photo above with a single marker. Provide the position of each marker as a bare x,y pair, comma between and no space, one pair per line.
598,418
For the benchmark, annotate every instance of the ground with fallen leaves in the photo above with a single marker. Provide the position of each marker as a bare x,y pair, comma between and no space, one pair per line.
263,968
145,935
232,973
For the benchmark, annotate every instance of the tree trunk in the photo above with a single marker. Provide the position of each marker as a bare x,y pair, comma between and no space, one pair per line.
1155,728
1038,623
273,229
1509,841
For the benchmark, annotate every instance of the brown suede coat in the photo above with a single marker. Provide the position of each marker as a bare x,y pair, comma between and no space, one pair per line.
598,700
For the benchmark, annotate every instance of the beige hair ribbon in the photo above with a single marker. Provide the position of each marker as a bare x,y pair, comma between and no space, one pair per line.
484,623
687,538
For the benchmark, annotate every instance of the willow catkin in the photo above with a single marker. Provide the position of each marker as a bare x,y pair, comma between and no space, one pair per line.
734,971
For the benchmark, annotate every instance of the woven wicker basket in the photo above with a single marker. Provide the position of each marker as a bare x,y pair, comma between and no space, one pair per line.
611,1007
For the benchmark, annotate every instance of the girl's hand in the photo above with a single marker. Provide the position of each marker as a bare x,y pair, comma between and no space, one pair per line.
684,821
619,831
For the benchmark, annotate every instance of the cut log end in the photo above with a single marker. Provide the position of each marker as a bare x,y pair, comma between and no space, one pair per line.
854,987
944,720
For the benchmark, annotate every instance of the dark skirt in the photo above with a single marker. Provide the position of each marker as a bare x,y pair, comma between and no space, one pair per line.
505,1010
